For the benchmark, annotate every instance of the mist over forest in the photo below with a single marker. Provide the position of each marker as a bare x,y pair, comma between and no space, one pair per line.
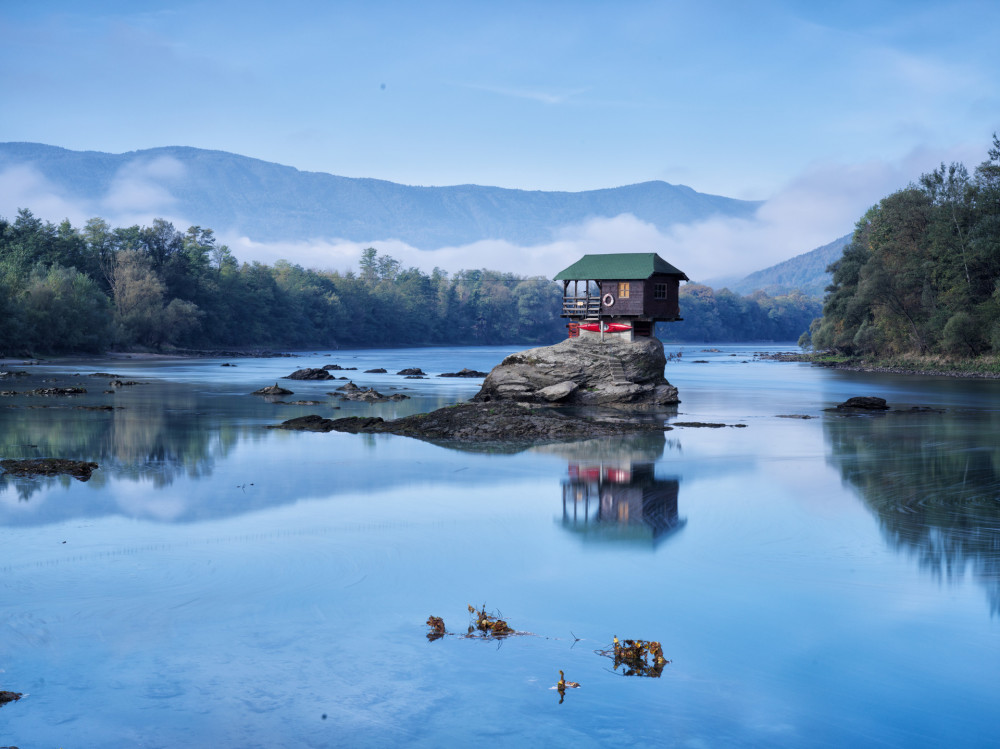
90,289
918,275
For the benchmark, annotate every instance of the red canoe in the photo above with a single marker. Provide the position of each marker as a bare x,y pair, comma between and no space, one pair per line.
614,327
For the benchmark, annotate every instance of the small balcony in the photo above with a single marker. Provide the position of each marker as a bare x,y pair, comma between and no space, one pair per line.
581,307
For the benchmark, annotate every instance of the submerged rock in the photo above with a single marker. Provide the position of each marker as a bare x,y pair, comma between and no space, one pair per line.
6,697
59,391
464,372
274,389
471,423
584,372
310,423
864,403
78,469
309,373
369,395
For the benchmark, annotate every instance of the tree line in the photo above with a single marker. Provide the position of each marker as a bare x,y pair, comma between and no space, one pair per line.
921,274
65,289
722,315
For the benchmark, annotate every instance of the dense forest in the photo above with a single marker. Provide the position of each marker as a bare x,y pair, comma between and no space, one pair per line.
723,315
921,275
64,289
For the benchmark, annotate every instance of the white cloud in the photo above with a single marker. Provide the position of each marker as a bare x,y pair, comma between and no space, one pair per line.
816,207
23,186
140,192
142,187
545,97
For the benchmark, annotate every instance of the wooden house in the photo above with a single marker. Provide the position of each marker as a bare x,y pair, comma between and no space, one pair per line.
620,293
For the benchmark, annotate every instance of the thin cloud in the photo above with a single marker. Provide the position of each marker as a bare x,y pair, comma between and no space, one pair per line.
815,208
143,186
24,186
545,97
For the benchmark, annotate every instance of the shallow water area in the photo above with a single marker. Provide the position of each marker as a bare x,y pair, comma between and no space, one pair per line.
823,581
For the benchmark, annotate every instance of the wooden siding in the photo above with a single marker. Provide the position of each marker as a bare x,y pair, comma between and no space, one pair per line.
642,301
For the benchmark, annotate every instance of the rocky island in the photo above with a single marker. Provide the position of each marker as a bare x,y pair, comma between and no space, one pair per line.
608,388
616,374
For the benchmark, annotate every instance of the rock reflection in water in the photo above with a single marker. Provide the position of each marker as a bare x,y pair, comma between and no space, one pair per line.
933,482
612,493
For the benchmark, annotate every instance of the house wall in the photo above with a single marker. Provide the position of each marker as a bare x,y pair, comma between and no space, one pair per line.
642,301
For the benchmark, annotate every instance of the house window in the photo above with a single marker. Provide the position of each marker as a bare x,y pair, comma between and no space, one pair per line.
659,291
623,289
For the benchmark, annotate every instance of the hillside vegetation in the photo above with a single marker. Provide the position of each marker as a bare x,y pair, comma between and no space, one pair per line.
807,273
921,275
721,315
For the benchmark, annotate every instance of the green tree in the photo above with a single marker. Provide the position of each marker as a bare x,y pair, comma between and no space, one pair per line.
65,310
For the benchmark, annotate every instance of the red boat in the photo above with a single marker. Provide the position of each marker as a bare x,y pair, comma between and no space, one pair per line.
613,327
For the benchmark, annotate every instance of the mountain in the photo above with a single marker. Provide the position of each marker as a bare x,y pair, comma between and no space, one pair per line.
805,272
271,202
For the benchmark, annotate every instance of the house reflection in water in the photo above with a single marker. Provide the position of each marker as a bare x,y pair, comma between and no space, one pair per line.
620,501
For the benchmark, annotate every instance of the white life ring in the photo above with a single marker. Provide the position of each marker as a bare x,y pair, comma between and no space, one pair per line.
609,301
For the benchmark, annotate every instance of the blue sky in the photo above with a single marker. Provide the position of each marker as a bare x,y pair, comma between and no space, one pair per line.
802,104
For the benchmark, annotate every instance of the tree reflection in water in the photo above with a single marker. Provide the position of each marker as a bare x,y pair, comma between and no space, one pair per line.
159,434
933,482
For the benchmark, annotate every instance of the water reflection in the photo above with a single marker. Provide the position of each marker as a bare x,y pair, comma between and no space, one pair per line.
612,493
933,482
155,436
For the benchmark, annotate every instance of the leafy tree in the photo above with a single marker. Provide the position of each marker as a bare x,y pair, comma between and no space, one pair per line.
64,310
922,272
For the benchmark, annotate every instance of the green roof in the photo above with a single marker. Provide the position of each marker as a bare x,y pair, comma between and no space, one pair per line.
623,266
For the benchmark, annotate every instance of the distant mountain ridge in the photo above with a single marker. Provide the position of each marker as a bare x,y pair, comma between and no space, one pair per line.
805,272
271,202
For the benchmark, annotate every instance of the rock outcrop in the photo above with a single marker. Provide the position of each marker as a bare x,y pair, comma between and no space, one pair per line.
464,372
584,372
478,423
864,403
274,389
309,373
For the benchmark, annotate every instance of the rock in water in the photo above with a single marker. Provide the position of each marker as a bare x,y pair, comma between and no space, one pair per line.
310,373
864,403
274,389
78,469
584,372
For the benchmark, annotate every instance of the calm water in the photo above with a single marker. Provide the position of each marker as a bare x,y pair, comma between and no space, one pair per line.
832,581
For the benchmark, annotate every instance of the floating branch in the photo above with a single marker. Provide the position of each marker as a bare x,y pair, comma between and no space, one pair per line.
638,657
487,624
436,623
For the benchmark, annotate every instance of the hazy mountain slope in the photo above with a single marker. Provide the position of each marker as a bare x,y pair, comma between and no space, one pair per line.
269,202
805,272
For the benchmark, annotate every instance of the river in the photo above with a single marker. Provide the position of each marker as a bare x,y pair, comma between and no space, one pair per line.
815,582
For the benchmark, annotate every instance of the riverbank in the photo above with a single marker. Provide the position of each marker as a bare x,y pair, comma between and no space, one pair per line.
985,367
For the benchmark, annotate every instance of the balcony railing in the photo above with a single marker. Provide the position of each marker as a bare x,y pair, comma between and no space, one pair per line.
584,307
